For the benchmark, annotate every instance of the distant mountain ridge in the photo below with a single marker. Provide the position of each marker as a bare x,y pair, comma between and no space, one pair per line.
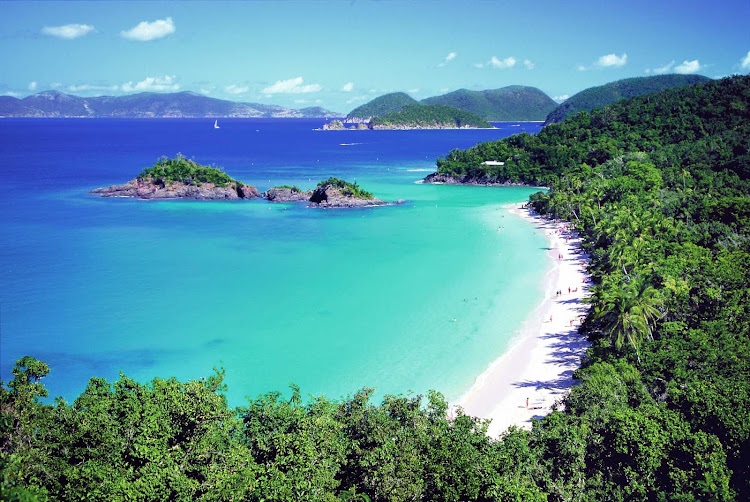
382,105
607,94
514,102
147,105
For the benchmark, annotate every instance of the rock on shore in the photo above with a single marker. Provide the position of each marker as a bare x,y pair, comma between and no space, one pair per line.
438,178
325,196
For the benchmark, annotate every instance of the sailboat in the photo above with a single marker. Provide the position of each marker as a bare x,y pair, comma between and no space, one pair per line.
216,124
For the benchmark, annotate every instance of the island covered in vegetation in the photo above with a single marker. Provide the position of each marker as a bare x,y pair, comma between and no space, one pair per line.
333,192
429,117
659,188
511,103
181,178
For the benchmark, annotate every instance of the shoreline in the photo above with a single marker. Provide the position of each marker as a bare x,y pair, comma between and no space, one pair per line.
539,365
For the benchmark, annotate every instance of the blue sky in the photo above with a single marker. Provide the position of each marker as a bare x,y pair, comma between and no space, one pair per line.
340,54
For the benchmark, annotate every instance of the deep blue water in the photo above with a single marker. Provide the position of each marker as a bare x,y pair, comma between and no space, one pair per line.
274,293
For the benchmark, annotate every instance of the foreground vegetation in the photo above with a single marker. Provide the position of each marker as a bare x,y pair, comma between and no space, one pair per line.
659,188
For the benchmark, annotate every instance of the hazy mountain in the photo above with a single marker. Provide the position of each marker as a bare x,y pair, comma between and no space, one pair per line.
145,105
607,94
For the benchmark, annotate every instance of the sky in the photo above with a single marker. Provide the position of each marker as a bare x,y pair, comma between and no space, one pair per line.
341,54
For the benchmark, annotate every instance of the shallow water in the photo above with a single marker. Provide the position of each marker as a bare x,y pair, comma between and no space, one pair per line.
331,300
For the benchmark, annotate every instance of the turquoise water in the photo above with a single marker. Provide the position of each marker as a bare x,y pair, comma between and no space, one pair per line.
332,300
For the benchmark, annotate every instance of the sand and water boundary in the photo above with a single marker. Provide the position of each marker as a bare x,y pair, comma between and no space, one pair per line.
537,371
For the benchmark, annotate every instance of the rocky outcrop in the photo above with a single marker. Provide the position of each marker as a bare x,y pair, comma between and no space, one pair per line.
444,179
285,194
156,189
334,125
328,196
323,197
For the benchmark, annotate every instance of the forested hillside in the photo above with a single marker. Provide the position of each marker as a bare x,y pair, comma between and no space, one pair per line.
388,103
607,94
659,188
419,116
514,102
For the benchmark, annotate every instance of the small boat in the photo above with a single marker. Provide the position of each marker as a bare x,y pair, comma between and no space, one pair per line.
216,124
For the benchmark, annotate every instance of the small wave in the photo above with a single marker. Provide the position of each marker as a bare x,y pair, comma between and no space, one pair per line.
420,170
349,144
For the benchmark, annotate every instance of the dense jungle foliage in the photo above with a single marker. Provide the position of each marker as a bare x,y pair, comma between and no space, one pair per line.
183,170
657,186
429,116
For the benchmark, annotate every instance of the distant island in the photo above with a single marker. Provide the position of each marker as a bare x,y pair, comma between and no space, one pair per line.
147,105
333,192
511,103
608,94
421,116
417,116
181,178
382,105
507,104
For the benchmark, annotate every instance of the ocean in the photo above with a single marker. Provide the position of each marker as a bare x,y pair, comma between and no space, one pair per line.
331,300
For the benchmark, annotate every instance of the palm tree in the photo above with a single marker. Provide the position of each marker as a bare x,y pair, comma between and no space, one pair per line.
628,313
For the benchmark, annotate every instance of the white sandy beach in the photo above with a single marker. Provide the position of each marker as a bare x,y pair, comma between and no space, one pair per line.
539,366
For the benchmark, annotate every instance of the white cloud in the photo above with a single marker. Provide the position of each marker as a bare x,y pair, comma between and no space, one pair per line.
165,83
661,69
205,90
745,64
612,60
450,57
68,31
55,85
10,93
291,86
478,65
145,31
236,89
580,67
688,67
90,87
32,86
414,91
528,64
508,62
300,101
372,91
348,87
444,89
561,98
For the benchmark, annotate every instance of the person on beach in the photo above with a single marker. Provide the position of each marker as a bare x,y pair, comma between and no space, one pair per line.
527,403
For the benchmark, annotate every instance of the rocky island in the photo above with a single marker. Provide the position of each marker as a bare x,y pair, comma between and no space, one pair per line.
181,178
333,192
